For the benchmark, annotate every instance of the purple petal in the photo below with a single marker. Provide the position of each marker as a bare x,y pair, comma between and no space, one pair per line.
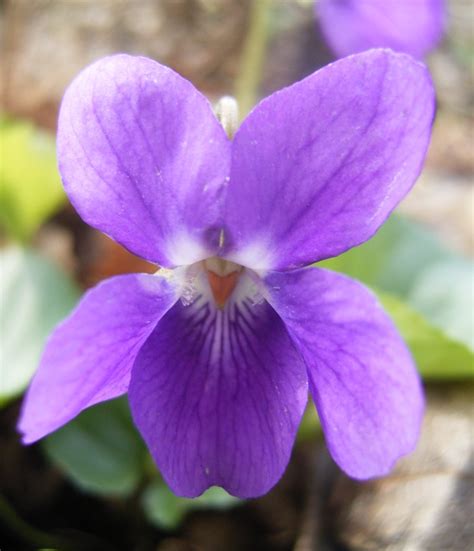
361,375
352,26
89,357
318,166
143,158
218,396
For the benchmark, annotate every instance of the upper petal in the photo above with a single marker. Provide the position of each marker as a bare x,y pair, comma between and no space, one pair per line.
318,166
143,158
352,26
89,356
361,375
218,395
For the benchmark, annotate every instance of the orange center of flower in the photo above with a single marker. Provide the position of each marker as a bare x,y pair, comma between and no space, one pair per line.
223,277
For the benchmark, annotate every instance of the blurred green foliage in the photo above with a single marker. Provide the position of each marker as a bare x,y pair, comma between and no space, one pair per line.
444,294
100,450
166,510
30,187
426,288
34,297
394,258
437,355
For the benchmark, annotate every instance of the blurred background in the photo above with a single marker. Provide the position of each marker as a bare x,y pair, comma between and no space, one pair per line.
92,485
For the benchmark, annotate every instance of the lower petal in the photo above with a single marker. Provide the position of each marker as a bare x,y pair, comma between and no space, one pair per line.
218,395
361,375
89,356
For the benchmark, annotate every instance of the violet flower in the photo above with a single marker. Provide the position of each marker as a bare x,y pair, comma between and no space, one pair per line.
411,26
217,350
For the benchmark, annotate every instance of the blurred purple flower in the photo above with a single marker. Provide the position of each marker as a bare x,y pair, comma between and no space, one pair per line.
352,26
217,350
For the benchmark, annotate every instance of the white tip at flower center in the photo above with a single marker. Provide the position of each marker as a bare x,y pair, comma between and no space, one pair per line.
227,111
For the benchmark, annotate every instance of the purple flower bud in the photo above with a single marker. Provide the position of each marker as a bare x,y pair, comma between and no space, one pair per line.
352,26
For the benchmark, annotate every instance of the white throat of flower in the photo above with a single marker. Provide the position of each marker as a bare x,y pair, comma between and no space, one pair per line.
218,281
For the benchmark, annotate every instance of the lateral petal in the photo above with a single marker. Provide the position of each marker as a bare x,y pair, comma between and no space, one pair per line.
88,358
362,378
144,159
318,167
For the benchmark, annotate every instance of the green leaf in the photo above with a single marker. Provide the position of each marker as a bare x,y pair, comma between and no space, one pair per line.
407,261
394,258
166,510
30,186
444,294
100,451
438,356
34,297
